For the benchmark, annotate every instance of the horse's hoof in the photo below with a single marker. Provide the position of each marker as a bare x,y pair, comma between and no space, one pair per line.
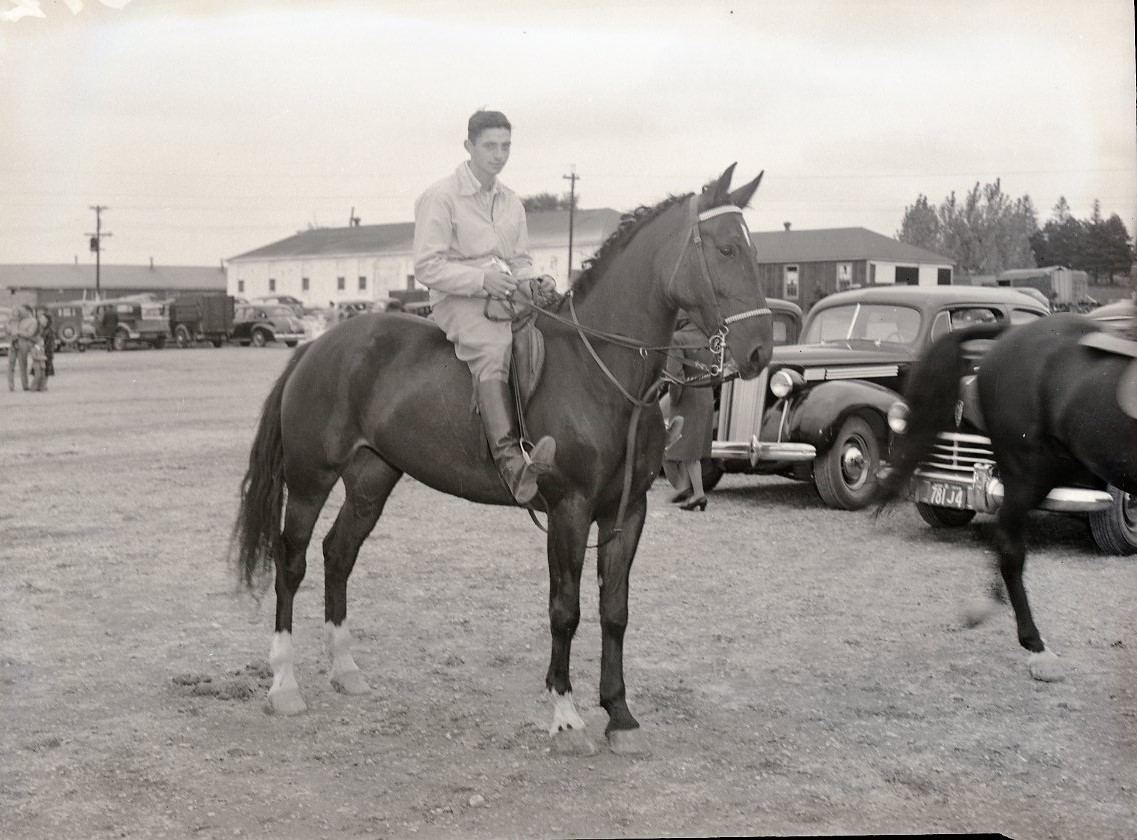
977,611
573,742
629,742
1046,667
350,682
285,702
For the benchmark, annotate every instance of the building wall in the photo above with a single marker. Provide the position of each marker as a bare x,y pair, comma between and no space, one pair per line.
384,272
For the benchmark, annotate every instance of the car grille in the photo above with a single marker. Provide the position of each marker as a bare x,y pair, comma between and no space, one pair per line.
959,453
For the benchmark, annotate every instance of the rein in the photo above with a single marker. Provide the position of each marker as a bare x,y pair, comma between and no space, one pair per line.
716,344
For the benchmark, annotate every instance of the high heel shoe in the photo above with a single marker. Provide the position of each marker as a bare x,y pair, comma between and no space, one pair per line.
681,496
699,504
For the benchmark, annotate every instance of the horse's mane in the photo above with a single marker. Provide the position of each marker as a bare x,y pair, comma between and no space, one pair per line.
631,223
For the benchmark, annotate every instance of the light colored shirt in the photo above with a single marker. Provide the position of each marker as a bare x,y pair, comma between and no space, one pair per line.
463,229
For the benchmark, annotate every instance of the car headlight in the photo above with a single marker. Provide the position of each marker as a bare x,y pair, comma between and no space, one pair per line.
898,417
785,382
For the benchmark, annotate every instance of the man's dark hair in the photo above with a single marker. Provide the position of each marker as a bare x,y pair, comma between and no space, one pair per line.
481,120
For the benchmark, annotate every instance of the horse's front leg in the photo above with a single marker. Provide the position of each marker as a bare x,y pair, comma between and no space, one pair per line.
568,535
614,565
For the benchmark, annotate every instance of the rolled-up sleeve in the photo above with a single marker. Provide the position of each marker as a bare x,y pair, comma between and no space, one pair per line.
433,266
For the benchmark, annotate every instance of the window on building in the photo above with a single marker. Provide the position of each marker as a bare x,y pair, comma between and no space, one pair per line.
305,284
844,276
341,283
943,277
362,283
272,284
907,275
872,273
241,286
790,285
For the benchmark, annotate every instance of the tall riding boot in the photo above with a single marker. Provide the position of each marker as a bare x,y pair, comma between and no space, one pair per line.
520,470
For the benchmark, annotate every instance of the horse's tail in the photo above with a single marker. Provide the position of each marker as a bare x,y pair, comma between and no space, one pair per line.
931,395
257,532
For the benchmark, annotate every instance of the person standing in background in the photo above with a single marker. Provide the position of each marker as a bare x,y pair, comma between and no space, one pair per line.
691,411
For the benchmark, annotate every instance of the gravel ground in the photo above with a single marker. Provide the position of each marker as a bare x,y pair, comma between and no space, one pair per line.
796,670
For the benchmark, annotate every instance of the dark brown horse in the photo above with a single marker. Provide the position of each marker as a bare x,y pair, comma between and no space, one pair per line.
383,395
1051,407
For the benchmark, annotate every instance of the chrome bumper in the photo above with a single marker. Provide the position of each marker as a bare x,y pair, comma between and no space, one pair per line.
984,493
756,451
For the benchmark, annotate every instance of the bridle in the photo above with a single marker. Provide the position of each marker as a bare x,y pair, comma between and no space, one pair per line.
716,341
716,344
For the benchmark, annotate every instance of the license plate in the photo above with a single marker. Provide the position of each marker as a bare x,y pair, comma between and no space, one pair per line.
941,494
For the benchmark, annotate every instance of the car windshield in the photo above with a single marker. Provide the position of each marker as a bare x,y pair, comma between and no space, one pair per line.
879,323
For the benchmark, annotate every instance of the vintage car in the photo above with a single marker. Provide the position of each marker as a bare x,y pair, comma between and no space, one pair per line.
819,412
258,324
962,478
69,321
131,320
293,303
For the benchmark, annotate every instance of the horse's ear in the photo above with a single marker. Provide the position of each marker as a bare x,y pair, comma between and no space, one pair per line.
717,192
722,188
741,197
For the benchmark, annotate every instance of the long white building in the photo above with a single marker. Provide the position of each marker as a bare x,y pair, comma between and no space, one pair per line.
372,261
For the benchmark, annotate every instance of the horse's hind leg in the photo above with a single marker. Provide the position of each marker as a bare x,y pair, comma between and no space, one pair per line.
368,481
300,517
1011,546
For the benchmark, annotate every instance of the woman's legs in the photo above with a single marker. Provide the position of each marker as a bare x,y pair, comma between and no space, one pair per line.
694,470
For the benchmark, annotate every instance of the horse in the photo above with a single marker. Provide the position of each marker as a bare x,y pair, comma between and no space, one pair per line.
1050,401
384,394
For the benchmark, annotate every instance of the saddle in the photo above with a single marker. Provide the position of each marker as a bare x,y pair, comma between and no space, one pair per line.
1119,345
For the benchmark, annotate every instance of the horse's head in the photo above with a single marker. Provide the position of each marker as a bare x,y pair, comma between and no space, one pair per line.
715,279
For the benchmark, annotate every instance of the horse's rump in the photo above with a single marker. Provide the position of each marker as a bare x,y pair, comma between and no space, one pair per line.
1043,392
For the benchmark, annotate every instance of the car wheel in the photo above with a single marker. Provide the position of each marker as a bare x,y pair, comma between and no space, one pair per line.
217,342
1115,528
845,475
290,343
159,342
260,338
712,473
944,517
120,339
182,336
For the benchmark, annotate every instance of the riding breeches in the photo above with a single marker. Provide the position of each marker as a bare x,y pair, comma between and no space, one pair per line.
482,344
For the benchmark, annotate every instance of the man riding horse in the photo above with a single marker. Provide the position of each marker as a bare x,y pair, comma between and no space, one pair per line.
471,247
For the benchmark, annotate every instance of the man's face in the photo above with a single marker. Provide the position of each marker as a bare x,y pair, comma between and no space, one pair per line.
489,153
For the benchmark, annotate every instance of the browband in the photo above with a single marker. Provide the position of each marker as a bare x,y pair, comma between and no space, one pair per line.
718,211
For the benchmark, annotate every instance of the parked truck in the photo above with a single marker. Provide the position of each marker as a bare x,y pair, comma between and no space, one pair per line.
201,317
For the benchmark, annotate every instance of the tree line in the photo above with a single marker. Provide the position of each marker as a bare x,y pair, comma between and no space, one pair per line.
987,232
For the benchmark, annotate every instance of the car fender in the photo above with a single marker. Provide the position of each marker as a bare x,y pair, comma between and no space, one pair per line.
818,415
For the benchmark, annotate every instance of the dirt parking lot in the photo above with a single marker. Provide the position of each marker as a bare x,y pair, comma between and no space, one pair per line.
797,670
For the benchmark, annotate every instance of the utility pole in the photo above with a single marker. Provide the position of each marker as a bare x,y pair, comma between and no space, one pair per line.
97,243
572,179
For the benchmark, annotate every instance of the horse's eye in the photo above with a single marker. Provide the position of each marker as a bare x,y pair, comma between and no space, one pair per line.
727,250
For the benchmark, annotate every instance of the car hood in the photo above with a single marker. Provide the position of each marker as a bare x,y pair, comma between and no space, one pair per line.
855,353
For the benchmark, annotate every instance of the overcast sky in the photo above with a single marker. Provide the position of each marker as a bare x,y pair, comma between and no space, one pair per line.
213,127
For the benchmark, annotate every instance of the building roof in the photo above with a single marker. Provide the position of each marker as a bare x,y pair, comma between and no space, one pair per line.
547,228
111,277
836,245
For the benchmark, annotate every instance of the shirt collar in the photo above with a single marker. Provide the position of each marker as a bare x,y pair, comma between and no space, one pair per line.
468,183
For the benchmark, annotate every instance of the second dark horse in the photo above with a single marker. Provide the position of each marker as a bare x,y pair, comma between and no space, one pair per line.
1051,407
385,395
